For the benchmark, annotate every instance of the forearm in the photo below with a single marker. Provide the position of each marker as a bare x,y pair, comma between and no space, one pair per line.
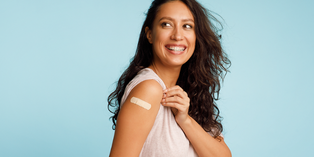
203,143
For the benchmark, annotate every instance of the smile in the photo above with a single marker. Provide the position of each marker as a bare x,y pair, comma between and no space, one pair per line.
175,48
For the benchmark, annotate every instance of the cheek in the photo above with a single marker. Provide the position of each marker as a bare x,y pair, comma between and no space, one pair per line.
157,42
161,37
192,42
192,38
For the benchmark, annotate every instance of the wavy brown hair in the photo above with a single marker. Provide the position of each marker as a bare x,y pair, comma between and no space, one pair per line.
200,76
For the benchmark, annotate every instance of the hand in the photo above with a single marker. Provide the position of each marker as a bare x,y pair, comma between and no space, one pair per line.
176,98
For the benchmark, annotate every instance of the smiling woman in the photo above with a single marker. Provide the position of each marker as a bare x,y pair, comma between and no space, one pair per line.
176,71
172,34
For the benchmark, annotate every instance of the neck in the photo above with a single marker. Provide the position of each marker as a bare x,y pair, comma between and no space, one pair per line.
168,75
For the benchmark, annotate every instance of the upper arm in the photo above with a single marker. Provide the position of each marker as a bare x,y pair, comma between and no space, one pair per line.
134,122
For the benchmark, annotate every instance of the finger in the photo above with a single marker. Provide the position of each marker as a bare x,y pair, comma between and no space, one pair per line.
174,99
174,105
181,104
175,92
185,93
173,88
180,108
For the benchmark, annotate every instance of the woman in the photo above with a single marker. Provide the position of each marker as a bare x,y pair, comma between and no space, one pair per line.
173,78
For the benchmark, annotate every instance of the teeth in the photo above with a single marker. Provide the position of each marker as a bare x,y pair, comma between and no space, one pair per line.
173,48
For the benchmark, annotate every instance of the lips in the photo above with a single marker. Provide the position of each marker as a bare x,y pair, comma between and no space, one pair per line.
175,49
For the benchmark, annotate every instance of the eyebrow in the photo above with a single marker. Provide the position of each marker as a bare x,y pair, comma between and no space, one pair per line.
171,19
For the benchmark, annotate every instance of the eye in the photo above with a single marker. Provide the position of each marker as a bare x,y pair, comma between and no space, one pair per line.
165,24
187,26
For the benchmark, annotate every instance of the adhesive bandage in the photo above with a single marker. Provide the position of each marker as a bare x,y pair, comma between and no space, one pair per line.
141,103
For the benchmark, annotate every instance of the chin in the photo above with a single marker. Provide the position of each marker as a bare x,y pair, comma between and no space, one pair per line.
176,63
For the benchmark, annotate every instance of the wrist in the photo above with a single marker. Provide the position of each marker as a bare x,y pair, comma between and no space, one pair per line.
186,123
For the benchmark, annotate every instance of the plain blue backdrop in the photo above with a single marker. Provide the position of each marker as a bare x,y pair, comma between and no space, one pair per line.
59,60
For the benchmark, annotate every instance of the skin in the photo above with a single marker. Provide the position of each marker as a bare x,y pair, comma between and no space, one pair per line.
134,122
173,26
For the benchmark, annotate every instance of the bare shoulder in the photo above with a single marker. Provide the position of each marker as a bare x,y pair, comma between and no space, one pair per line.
147,88
134,121
148,91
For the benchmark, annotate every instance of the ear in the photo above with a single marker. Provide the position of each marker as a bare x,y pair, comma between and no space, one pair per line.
148,33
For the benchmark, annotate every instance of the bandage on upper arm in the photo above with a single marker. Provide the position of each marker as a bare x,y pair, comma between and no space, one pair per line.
141,103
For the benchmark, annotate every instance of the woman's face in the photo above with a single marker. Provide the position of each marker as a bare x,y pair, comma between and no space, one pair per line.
173,35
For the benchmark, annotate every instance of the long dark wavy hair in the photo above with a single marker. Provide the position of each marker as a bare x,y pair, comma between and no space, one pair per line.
200,76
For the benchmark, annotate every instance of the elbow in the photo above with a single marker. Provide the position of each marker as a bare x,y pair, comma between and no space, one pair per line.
225,153
228,153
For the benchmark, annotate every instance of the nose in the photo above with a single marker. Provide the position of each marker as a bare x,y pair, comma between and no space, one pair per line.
177,34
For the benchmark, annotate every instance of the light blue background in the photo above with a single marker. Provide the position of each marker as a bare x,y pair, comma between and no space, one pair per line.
59,61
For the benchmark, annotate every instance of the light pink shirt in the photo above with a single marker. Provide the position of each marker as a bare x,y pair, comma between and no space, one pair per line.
166,138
